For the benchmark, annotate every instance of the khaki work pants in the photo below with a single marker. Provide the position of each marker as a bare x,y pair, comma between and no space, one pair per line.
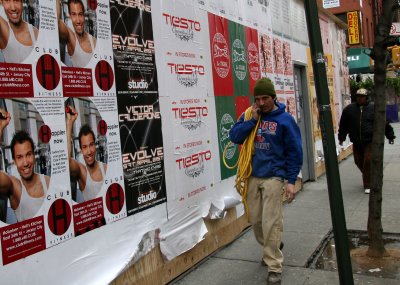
265,213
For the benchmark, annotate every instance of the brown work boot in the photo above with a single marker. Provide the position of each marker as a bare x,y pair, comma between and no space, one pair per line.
274,278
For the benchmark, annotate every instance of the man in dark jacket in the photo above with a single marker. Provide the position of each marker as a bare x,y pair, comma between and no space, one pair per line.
357,121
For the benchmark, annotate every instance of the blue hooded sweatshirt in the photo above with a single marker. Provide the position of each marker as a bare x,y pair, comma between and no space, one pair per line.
277,145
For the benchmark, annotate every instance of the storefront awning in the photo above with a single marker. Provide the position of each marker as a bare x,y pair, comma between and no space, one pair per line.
358,61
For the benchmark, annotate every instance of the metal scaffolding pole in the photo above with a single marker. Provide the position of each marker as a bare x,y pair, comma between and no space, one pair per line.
329,146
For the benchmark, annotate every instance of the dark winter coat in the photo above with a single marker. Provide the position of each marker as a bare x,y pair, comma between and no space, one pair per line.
357,121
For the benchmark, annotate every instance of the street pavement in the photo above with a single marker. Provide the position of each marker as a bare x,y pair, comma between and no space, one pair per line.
306,222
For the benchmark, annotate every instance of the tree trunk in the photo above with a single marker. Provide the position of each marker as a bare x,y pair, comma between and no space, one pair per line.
375,230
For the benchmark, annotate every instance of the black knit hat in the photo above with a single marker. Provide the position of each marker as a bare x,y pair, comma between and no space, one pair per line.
264,86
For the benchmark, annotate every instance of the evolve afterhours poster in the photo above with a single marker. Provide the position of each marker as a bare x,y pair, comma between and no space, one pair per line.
133,47
138,105
142,151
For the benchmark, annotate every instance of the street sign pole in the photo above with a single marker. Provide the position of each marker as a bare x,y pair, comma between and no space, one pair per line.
329,146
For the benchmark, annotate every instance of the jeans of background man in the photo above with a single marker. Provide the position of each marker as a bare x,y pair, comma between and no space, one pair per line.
362,158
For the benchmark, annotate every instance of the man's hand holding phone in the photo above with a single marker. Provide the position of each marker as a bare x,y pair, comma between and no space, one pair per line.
256,111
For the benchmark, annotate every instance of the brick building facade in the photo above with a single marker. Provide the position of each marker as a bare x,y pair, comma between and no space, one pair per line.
368,12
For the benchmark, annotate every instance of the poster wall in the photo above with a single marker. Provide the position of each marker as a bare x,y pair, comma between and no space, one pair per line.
85,48
183,61
285,17
289,91
276,13
279,69
298,25
232,10
267,63
248,10
37,211
138,105
33,161
253,57
313,100
142,151
220,47
330,75
226,118
95,165
188,103
128,103
240,74
30,58
264,18
89,84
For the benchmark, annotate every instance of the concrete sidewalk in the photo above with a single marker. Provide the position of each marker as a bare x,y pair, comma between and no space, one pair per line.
306,222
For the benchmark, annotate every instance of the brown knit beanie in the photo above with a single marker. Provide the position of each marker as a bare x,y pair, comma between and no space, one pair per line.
264,86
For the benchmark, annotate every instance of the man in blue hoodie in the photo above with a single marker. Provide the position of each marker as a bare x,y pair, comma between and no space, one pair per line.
277,157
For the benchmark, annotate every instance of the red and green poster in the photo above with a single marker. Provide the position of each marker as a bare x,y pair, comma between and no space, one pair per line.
253,58
220,55
226,118
240,73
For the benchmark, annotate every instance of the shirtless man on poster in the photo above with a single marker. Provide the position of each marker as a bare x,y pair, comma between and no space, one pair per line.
80,44
90,175
27,192
17,37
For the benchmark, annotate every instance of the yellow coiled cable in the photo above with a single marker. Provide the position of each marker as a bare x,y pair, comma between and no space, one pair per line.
244,162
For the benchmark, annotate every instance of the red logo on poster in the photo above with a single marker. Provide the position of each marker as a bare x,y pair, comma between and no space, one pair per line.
44,134
253,60
115,198
102,127
277,49
287,59
59,217
48,72
92,4
104,75
220,55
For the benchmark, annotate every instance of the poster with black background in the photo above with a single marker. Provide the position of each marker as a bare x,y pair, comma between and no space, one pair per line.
138,105
142,151
133,47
